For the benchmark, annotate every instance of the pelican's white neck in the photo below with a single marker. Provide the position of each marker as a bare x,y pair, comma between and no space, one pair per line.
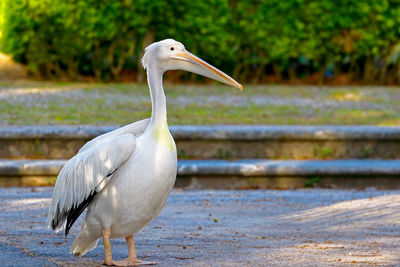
158,101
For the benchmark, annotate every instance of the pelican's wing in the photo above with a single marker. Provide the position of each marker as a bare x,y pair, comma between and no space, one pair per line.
136,128
83,176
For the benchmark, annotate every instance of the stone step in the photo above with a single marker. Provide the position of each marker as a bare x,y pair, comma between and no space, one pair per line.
219,142
212,170
258,167
248,167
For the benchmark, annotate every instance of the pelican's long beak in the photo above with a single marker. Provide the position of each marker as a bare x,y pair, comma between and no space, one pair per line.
194,64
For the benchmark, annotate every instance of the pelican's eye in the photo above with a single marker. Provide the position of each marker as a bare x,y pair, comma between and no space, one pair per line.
172,49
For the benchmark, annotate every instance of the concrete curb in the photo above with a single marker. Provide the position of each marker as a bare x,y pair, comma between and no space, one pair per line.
255,167
241,168
221,132
30,167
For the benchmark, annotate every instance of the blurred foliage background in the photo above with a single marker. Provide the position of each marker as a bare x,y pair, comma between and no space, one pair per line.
306,41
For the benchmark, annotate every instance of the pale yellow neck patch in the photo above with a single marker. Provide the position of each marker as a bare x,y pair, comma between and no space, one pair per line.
162,135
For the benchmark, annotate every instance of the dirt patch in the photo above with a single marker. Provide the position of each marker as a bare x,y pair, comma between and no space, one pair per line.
10,70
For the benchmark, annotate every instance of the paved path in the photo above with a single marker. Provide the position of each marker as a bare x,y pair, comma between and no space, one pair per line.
315,227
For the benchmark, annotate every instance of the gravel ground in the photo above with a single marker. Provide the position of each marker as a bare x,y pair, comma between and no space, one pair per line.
313,227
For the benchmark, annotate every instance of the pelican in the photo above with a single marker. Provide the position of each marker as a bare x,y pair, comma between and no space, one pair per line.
124,177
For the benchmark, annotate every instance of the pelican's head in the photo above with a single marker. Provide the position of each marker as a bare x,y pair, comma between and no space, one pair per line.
172,55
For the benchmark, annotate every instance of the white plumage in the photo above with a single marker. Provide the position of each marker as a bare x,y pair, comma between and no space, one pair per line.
124,177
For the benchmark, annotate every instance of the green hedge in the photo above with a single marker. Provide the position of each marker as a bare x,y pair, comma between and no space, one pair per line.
255,40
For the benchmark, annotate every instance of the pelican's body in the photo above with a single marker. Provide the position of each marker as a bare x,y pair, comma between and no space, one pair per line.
124,198
124,177
153,163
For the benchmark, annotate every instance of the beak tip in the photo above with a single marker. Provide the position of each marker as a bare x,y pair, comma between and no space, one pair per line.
240,87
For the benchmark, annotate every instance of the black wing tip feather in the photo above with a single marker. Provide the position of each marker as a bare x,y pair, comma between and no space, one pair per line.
58,219
74,212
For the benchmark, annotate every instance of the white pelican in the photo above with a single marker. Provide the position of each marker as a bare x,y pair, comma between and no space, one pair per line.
124,177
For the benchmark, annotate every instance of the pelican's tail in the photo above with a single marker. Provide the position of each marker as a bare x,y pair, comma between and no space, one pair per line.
83,243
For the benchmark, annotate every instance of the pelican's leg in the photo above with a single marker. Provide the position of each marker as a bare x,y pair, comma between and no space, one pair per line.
107,247
132,259
131,248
